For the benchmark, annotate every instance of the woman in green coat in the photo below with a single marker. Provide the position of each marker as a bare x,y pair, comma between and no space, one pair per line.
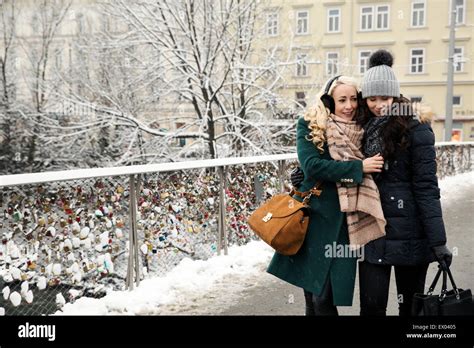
326,131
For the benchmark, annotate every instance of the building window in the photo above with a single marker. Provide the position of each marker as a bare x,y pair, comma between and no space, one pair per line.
181,142
363,61
80,20
456,133
272,24
58,59
456,100
331,63
418,13
380,14
460,11
35,23
458,59
302,19
334,20
301,65
301,99
366,18
383,15
417,59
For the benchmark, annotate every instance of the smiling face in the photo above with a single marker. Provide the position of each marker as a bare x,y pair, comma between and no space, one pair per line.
345,99
379,105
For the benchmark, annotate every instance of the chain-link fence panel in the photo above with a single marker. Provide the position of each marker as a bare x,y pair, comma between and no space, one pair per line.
454,159
179,212
61,241
177,218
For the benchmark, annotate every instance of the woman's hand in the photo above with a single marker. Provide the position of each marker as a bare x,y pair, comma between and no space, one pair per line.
373,164
297,177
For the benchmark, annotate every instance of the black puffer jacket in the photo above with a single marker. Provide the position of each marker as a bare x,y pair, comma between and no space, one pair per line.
411,204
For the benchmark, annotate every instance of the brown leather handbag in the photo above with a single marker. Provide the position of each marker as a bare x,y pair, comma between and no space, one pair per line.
282,221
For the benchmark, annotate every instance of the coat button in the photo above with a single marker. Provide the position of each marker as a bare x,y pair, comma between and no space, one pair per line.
380,260
392,198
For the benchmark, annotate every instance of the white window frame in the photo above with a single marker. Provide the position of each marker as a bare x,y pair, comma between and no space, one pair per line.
417,12
301,65
364,60
301,101
303,19
460,63
273,24
329,63
335,19
460,101
371,14
457,13
81,23
423,57
58,59
376,17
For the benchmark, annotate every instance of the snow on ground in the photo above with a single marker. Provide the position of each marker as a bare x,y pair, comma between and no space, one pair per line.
452,187
202,287
190,281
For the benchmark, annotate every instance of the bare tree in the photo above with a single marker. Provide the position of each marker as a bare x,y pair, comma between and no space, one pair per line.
10,135
47,20
204,58
171,71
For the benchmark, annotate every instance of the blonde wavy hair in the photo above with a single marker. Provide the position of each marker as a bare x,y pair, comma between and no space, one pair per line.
317,115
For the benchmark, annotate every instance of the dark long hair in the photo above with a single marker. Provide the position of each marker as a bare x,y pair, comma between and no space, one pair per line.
395,132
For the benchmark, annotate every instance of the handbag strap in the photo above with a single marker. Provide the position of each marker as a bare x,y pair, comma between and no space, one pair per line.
435,281
444,287
456,290
307,194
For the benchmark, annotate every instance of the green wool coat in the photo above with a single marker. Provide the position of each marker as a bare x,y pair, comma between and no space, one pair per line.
312,265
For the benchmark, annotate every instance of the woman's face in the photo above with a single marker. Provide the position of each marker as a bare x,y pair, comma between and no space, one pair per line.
345,99
379,105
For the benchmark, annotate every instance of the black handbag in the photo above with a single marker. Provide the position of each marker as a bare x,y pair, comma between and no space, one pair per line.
452,302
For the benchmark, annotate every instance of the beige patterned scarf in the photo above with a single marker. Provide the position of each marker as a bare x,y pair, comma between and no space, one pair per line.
365,219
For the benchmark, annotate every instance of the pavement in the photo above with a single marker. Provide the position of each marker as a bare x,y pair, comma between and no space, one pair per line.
271,296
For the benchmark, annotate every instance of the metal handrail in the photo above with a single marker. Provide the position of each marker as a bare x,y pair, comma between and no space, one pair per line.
454,143
76,174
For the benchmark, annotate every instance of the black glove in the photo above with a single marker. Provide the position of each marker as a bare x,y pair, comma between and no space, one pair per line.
296,177
443,255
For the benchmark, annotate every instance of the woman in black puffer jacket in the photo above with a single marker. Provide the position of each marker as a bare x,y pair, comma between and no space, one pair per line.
408,186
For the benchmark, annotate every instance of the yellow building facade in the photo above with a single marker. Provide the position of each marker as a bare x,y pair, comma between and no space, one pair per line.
329,37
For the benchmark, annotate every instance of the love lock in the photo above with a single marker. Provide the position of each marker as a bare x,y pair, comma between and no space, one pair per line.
267,217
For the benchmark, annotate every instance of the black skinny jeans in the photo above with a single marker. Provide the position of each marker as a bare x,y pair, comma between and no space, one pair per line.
374,283
320,305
